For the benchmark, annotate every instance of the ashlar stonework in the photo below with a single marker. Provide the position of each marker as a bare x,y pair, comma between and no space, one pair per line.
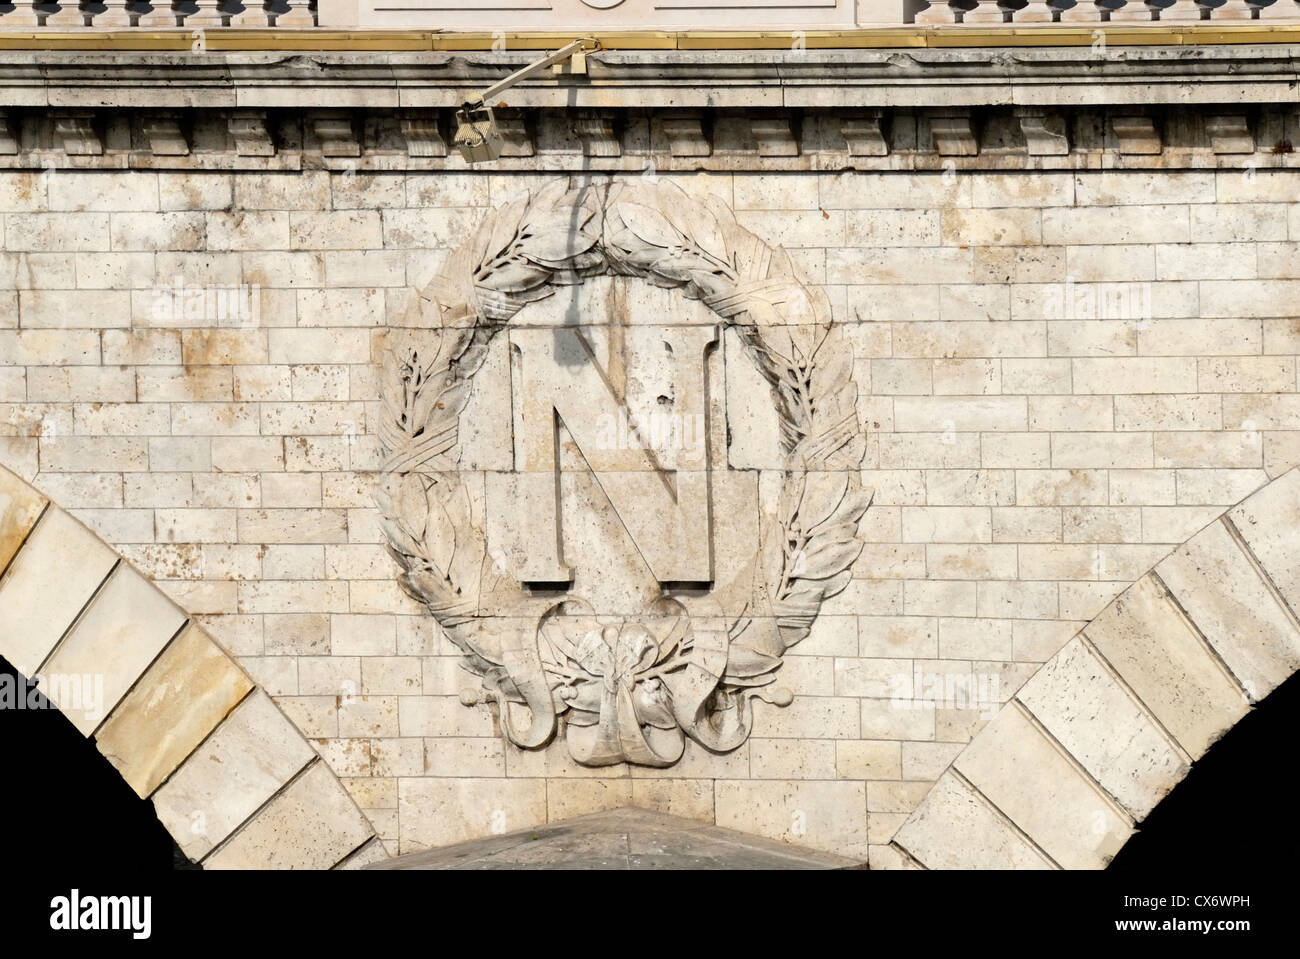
1062,381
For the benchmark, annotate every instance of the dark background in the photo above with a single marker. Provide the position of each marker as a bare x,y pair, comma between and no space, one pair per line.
64,803
70,822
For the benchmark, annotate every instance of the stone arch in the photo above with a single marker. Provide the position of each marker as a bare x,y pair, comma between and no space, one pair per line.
162,701
1099,735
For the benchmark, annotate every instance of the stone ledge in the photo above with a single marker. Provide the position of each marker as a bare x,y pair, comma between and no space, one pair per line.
375,139
903,76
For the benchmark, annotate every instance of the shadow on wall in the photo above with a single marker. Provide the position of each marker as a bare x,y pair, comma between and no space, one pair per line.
1242,784
63,802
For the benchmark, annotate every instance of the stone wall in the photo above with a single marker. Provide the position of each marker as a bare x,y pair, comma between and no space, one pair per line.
1063,376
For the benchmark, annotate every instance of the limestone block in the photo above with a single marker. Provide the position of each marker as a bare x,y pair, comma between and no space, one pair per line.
1234,609
254,752
690,798
184,695
121,632
47,585
890,857
753,432
1099,724
1166,664
1025,775
20,506
312,824
437,812
369,854
831,816
1269,522
955,828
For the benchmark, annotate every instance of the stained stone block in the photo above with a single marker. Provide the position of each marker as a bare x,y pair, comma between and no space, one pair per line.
313,824
125,627
1021,772
1234,609
1269,522
254,752
954,828
1103,728
184,695
20,505
1154,651
47,584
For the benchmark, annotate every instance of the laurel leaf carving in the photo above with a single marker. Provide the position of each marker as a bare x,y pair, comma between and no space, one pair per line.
653,230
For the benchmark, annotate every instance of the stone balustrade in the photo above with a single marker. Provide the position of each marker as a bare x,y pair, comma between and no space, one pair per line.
986,12
156,14
146,15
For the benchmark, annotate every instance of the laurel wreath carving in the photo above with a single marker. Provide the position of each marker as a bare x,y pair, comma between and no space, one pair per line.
651,230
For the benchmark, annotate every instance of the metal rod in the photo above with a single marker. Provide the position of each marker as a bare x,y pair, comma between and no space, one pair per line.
563,53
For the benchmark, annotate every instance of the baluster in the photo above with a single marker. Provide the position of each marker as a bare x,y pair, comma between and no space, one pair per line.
158,13
108,14
1036,11
988,11
940,11
1279,10
248,13
24,14
1232,10
203,13
1134,11
300,13
65,13
1180,11
1083,11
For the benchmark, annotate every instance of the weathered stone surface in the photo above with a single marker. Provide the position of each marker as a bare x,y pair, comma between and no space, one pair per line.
254,752
1025,775
438,812
372,853
312,824
20,505
1062,373
1162,660
613,429
891,857
123,629
46,586
191,687
954,828
1236,612
1269,522
1099,724
829,816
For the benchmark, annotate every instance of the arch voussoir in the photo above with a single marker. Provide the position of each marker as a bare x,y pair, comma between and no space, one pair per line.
230,776
1065,772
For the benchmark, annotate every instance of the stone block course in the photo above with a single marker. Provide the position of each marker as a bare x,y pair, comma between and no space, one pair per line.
1030,458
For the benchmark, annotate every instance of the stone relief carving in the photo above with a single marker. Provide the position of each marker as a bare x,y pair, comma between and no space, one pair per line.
621,688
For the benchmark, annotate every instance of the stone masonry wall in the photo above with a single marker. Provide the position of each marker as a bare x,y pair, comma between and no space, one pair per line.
1031,457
